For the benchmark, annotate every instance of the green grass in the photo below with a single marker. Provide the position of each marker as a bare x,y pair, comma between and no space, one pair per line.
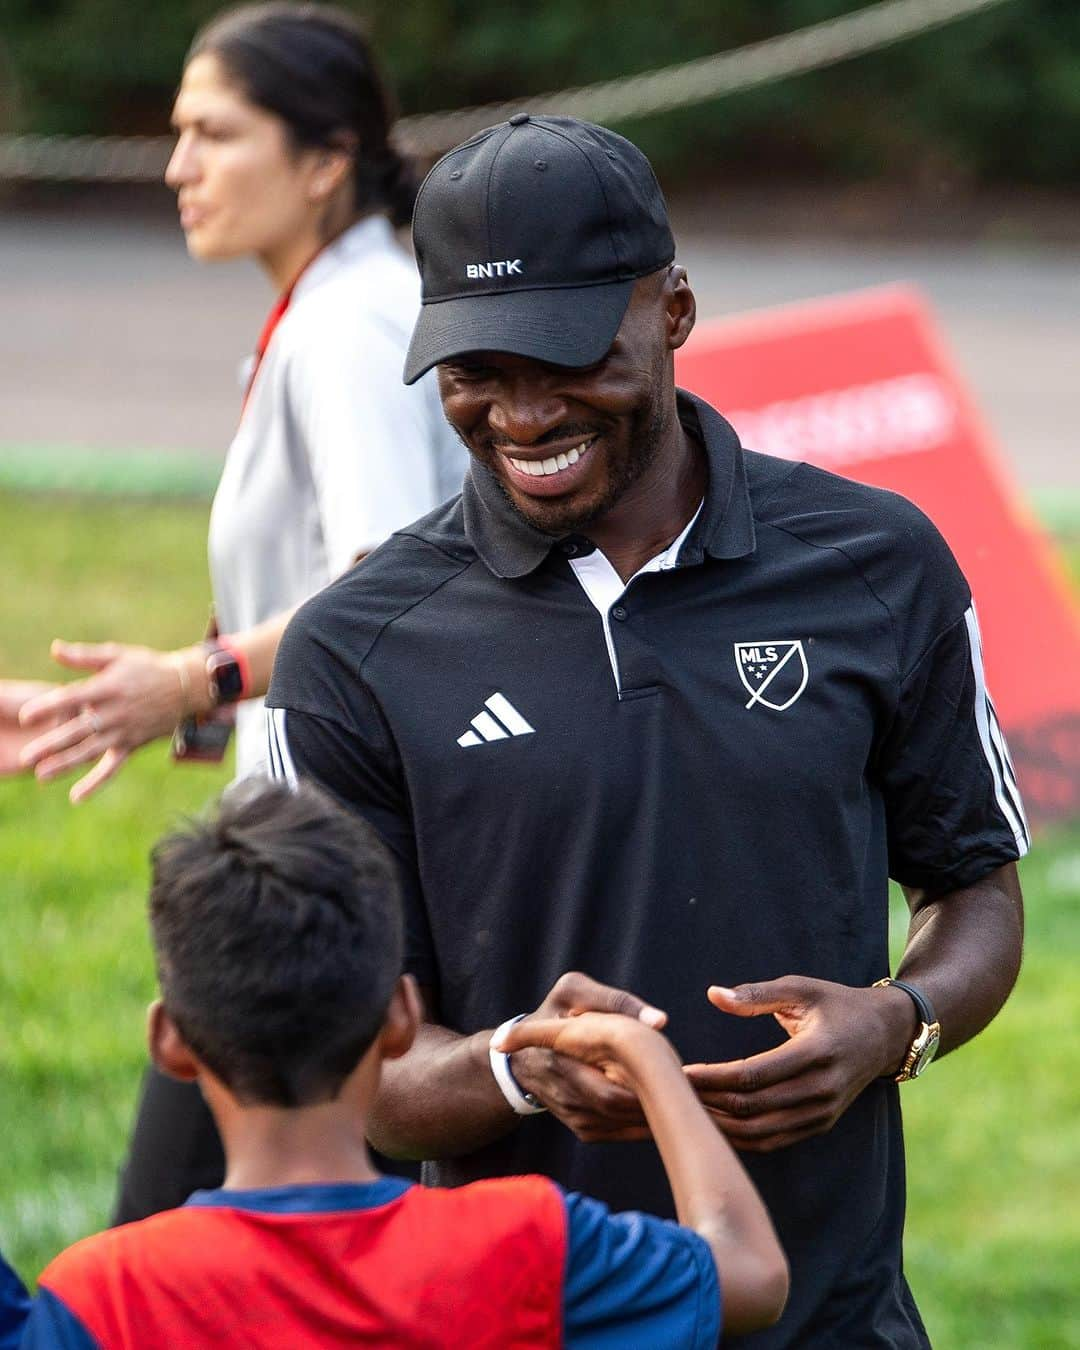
993,1237
75,972
993,1137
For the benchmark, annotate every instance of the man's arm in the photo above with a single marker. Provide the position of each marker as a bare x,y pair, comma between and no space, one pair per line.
963,951
442,1099
955,826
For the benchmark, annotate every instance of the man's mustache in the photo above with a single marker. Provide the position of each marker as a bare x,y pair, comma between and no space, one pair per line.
566,431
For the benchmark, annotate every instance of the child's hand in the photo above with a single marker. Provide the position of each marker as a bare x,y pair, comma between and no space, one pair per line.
610,1042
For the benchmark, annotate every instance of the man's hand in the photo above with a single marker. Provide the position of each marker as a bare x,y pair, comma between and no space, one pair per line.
841,1040
592,1101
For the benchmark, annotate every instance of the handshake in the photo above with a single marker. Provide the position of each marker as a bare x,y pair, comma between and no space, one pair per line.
585,1065
613,1075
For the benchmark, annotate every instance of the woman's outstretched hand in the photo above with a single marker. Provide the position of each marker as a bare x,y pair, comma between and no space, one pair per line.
133,695
14,695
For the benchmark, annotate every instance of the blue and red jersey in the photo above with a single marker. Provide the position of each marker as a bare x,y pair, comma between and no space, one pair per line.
508,1264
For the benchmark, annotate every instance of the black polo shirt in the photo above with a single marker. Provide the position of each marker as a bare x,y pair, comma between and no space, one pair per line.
708,783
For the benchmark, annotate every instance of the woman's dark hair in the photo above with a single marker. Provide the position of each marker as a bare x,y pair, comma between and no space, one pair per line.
313,66
277,930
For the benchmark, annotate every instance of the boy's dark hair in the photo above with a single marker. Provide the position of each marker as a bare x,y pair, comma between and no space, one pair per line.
278,935
313,66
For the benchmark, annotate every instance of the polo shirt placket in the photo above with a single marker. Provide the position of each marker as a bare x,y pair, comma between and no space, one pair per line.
709,787
606,589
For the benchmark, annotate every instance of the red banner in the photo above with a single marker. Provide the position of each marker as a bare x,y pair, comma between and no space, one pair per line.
862,385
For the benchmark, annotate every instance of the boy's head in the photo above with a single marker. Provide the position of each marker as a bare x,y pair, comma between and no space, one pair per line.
277,929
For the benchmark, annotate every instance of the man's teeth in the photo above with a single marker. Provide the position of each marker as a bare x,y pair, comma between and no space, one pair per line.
539,467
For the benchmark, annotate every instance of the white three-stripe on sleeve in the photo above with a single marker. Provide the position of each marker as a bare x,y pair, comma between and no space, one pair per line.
1006,792
282,768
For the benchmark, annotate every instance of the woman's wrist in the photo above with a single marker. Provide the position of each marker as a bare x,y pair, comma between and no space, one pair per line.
194,694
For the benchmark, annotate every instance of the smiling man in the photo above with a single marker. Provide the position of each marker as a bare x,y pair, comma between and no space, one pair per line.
644,704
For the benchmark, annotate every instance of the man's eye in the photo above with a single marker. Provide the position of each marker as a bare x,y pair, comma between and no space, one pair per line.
594,368
471,374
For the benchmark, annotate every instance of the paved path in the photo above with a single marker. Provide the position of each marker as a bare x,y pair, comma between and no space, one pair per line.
111,337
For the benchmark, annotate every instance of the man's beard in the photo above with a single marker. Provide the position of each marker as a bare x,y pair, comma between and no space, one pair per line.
645,437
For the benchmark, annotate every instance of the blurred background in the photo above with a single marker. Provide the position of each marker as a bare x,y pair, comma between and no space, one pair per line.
949,157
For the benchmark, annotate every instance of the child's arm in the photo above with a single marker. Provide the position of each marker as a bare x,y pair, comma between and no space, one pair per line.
42,1323
14,1307
713,1194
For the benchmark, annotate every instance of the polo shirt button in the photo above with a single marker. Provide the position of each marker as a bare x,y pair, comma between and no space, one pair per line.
569,548
619,612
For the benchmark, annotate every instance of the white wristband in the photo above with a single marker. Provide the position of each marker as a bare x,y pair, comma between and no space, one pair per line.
523,1103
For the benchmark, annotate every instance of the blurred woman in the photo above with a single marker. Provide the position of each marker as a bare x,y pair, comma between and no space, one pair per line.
282,154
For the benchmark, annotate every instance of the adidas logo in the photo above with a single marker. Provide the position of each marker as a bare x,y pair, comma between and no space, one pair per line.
499,720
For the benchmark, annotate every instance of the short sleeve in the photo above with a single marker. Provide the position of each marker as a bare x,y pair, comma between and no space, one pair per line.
53,1326
14,1307
376,447
358,765
632,1279
952,804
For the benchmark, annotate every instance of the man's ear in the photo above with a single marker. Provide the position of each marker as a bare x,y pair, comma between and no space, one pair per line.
403,1017
680,305
168,1049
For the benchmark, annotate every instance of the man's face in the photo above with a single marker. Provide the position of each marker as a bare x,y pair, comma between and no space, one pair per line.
566,444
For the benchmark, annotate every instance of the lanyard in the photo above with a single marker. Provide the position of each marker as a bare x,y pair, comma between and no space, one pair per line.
272,320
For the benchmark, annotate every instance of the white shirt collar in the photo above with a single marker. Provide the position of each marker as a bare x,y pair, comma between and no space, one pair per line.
373,234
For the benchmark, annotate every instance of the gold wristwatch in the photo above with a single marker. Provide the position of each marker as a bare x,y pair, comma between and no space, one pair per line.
927,1038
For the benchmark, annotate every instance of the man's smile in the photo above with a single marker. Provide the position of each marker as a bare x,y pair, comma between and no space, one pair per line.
551,474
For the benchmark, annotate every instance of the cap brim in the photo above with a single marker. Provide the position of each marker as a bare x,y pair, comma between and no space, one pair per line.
571,326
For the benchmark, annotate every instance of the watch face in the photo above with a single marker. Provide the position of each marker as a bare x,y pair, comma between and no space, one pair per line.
925,1053
226,676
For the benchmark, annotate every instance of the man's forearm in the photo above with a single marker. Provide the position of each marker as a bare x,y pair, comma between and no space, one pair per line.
441,1099
963,951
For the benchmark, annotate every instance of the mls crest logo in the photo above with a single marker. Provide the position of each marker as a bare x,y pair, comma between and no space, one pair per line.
774,674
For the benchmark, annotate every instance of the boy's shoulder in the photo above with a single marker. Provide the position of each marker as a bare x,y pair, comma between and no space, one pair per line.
112,1254
515,1227
532,1205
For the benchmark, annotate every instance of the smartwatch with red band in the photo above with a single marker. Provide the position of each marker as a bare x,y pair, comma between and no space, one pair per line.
226,671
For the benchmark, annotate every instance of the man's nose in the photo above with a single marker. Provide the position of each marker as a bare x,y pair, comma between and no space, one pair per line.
525,411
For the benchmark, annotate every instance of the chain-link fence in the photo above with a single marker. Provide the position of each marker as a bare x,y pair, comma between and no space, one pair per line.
142,159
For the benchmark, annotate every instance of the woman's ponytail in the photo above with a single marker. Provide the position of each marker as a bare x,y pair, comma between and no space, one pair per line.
399,183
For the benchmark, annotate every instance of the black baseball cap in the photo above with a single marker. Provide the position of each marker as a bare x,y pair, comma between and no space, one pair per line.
529,239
